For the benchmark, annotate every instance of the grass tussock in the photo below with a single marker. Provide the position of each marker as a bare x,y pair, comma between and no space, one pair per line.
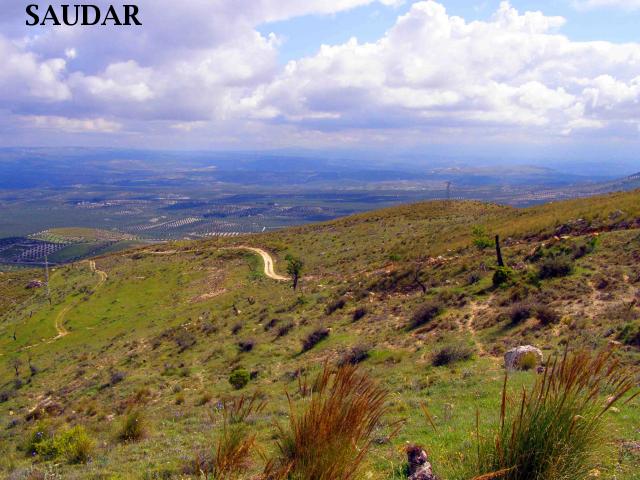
555,429
233,451
329,438
133,427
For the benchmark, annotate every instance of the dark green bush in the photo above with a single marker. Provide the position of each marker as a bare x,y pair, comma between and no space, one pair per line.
502,276
239,378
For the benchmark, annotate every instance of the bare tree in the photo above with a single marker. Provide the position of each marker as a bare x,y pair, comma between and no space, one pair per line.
417,271
16,363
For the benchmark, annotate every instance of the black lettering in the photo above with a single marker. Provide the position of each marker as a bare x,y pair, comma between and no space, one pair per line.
131,13
85,15
51,15
32,14
65,15
111,15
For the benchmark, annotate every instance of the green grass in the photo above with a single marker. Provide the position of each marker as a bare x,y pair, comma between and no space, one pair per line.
165,323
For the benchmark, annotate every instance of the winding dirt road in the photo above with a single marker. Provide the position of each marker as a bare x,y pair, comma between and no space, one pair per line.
269,269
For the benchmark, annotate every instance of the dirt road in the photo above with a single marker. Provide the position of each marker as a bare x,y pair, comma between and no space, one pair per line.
269,270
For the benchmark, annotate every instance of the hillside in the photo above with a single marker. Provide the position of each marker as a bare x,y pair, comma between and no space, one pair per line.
162,328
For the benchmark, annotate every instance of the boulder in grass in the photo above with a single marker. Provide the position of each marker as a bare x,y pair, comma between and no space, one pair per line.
419,467
524,357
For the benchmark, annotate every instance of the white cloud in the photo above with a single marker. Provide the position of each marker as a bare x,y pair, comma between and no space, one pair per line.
71,125
207,72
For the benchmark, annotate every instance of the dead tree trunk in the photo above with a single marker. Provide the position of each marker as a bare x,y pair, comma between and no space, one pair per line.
499,252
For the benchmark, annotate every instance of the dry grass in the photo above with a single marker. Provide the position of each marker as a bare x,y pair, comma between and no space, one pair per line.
329,438
232,455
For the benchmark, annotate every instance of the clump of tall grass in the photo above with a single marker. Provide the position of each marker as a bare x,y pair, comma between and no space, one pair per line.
133,427
234,448
329,438
555,429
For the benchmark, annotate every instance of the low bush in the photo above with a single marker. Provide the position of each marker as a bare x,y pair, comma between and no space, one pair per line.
555,266
285,329
520,312
246,346
451,354
359,313
337,304
133,427
314,338
502,276
74,444
547,315
425,314
239,378
271,324
354,356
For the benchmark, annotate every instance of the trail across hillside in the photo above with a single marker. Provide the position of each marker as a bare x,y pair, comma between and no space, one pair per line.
269,270
60,317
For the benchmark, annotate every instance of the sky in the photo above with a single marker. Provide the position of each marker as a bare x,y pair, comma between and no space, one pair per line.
540,78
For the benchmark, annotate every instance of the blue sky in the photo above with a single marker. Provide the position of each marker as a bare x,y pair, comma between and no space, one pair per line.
542,79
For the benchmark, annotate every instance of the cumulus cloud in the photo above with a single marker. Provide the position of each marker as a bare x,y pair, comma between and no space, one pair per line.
207,72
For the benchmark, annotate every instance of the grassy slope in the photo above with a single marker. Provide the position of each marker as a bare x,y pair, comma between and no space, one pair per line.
165,321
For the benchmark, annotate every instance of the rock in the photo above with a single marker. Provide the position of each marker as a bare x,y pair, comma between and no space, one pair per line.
419,466
523,358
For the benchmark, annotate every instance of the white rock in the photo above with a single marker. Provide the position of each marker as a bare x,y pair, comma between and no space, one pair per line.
513,359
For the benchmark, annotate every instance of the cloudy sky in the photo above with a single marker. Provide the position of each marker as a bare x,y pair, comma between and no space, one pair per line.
560,75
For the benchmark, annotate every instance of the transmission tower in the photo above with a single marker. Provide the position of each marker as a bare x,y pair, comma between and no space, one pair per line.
448,191
46,276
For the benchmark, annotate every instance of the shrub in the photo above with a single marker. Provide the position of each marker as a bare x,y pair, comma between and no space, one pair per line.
554,430
354,356
502,276
272,323
116,377
74,444
133,427
330,437
359,313
314,338
555,266
285,329
630,334
236,329
480,238
246,345
425,314
520,312
239,378
547,315
451,354
337,304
